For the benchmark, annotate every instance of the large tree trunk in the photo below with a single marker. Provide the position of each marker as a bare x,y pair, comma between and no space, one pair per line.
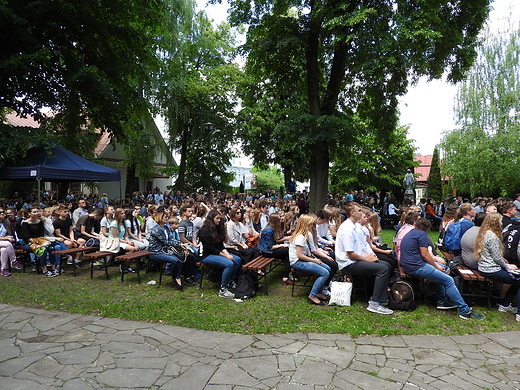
132,182
319,176
319,167
179,184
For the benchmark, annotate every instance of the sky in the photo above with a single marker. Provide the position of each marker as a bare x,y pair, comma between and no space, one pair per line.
427,108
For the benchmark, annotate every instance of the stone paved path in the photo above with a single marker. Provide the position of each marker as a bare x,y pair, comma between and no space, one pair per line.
54,350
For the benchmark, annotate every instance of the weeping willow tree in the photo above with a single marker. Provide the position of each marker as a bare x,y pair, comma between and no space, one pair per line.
481,156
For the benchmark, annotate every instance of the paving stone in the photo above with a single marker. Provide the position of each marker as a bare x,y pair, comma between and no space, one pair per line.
196,377
76,384
318,373
23,384
339,357
131,362
398,353
430,356
77,335
370,349
8,350
131,378
12,366
259,368
433,342
46,366
495,349
366,381
85,355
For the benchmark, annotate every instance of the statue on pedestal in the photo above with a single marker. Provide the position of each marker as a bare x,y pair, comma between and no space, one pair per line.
409,184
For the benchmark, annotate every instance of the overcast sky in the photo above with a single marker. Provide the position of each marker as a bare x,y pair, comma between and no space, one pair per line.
428,107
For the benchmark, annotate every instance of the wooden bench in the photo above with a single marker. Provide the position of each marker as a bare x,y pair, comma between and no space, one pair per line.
97,256
73,251
471,275
128,258
263,265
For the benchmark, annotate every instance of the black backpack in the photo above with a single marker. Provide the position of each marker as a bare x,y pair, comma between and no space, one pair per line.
401,296
247,285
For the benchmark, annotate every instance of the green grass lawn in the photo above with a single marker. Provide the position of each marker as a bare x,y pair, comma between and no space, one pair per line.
278,312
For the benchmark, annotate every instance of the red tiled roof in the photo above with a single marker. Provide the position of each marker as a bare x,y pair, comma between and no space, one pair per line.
15,120
423,170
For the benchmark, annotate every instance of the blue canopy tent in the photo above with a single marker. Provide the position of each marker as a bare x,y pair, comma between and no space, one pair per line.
57,164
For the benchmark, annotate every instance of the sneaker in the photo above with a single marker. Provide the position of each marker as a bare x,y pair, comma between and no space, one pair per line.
98,263
446,306
17,265
518,317
167,272
507,309
375,307
56,272
49,274
130,270
189,282
5,272
225,293
70,261
471,314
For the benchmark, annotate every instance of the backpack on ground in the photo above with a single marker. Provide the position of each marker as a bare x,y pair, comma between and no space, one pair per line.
247,285
453,236
401,296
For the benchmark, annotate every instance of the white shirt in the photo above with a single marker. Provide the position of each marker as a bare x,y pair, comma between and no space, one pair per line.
350,238
307,245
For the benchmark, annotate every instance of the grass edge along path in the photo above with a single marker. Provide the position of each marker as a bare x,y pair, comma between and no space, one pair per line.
203,309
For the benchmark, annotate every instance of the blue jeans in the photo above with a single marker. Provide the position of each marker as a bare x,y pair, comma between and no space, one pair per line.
176,265
503,276
58,246
444,284
323,272
230,267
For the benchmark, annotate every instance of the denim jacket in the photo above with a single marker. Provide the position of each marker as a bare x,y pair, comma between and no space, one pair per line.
266,240
160,237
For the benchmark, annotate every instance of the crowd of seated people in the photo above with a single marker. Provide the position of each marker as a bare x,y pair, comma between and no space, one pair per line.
231,230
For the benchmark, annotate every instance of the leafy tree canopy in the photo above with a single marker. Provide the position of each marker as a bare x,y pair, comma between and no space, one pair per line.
93,62
481,156
268,179
323,68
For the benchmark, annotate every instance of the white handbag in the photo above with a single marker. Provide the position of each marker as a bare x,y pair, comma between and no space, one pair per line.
340,293
108,244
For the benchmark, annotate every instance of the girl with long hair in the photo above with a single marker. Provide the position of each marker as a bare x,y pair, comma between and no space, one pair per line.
303,250
161,236
118,230
489,250
272,244
235,232
212,235
133,229
31,229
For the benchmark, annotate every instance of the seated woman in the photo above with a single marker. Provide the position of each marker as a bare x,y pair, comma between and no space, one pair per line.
31,229
235,233
491,264
6,244
133,229
302,251
161,236
212,235
272,245
118,230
